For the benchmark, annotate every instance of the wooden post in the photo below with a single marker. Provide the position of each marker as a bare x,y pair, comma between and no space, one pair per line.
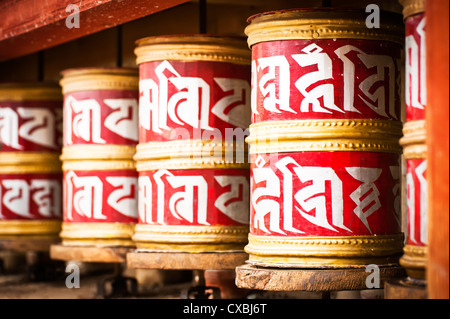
438,146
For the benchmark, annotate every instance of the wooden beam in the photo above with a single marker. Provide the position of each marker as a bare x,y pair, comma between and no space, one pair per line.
437,42
28,26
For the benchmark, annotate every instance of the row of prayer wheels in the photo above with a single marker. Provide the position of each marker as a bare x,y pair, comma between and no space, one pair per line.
284,143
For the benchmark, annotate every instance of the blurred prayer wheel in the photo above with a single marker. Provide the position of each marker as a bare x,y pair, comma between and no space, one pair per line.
414,140
100,137
30,169
191,157
324,139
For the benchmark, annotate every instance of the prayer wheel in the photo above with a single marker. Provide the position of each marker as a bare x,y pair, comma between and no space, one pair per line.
30,169
191,157
414,139
324,139
99,142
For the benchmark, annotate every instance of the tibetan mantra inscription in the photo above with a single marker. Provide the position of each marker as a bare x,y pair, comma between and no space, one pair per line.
325,158
191,157
414,140
100,136
30,169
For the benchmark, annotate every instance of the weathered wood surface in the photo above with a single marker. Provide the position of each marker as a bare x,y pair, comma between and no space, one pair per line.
28,26
317,280
28,243
89,253
181,260
401,289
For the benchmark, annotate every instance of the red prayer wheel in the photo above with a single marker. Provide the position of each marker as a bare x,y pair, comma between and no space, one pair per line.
193,171
414,139
30,169
324,139
100,137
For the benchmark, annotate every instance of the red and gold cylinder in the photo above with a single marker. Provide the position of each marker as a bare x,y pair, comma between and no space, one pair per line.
324,139
191,157
30,169
414,139
100,136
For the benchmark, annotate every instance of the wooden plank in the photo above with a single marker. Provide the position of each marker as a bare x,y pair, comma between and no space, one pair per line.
187,261
89,253
28,243
437,114
401,289
316,280
28,26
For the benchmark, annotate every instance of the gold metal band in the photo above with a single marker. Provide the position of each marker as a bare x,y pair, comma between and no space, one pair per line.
29,227
328,252
186,154
112,234
190,238
89,79
314,24
325,135
98,152
98,165
188,148
193,48
30,92
29,162
412,7
414,140
414,260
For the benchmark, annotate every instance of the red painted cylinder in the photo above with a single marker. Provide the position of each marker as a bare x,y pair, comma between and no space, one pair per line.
325,169
193,171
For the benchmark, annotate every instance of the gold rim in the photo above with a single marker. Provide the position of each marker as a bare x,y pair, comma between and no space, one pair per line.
414,140
323,251
29,162
188,149
182,236
314,24
98,165
414,260
96,231
193,48
412,7
30,227
325,135
89,79
191,163
98,152
30,92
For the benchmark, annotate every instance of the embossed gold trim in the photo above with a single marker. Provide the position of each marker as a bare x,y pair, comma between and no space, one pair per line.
89,79
30,227
188,148
29,162
414,260
190,163
98,152
414,140
113,234
193,48
30,92
325,135
16,158
184,154
314,24
190,238
412,7
317,251
98,165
